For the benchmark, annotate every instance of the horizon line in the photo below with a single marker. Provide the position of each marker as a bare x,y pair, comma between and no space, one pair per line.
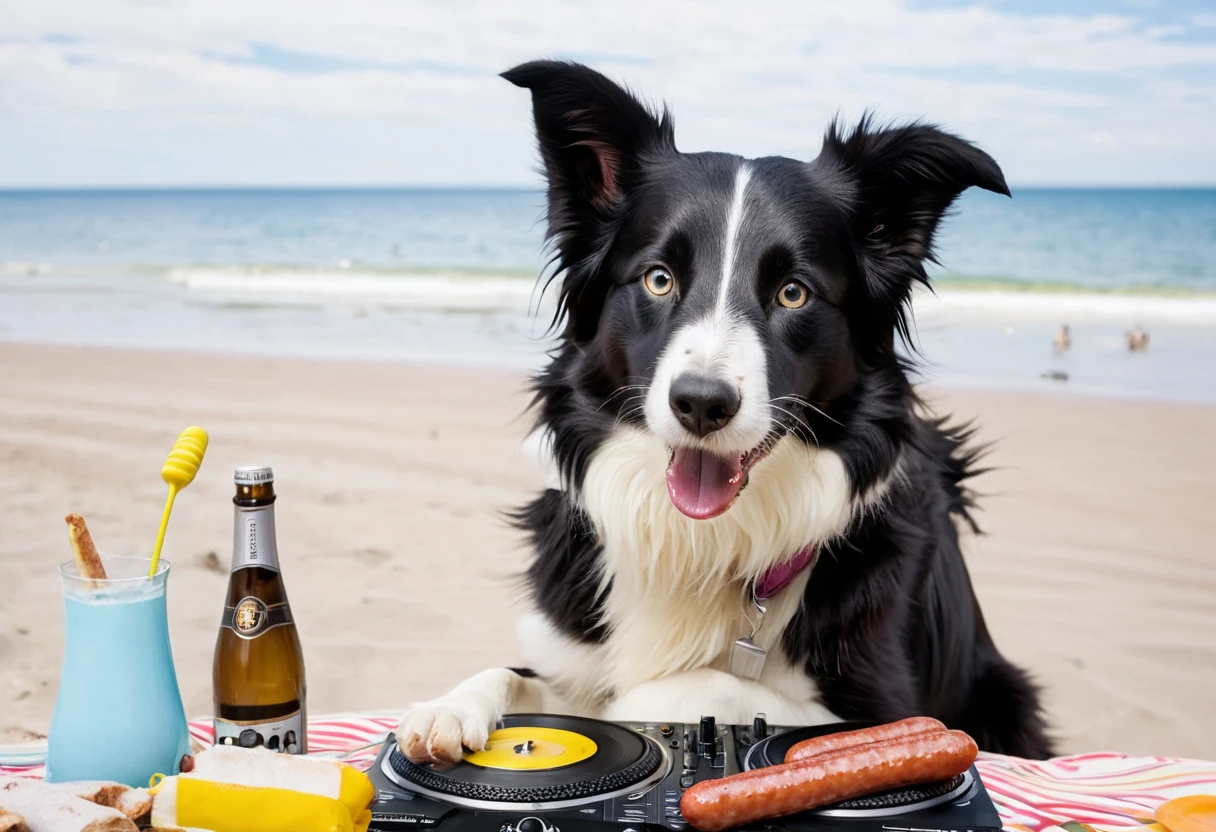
519,188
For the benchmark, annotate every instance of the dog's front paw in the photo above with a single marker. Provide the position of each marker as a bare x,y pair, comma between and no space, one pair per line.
439,731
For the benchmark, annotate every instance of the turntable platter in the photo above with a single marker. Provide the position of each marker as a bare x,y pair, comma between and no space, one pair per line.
539,761
772,749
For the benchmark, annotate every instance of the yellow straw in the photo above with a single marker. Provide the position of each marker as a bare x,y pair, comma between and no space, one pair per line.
179,471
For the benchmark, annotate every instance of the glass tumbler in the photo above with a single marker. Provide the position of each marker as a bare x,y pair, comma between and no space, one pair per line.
119,713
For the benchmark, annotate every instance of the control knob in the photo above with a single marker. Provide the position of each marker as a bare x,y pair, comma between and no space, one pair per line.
759,727
707,736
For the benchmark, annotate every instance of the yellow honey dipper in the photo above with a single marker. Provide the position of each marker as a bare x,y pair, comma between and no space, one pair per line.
179,471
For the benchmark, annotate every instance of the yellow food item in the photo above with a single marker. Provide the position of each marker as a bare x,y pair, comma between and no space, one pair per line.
234,789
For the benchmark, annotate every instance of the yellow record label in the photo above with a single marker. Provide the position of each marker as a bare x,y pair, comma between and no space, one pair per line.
532,749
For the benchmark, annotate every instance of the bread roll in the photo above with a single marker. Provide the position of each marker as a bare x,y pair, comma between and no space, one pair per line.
134,803
101,792
47,808
11,822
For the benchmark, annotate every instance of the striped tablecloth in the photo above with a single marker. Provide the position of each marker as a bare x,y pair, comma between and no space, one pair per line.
1101,790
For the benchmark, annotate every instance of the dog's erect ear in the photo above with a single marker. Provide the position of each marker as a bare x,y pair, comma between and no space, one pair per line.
903,180
594,137
591,132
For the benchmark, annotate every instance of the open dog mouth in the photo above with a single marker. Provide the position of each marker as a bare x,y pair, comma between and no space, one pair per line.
703,485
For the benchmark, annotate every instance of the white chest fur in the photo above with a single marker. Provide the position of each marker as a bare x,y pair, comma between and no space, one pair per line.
680,588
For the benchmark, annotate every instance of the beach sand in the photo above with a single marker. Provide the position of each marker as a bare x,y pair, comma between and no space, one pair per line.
1096,572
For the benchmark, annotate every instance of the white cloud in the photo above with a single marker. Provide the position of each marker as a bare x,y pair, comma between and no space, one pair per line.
101,92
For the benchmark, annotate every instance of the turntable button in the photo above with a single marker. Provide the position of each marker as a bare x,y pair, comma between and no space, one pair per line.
687,780
532,824
665,730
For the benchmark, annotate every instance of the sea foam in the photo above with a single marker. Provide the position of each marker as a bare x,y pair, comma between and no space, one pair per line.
437,292
954,305
441,291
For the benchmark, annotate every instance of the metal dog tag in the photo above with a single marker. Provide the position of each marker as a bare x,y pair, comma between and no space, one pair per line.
747,658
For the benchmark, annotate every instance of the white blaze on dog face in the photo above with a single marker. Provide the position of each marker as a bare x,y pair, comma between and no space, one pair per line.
719,348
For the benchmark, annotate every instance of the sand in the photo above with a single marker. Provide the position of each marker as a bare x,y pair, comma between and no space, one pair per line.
1096,572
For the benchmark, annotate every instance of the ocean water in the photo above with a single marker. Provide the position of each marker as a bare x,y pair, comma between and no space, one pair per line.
450,276
1097,239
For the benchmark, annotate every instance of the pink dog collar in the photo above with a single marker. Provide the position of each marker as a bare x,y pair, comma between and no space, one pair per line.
780,576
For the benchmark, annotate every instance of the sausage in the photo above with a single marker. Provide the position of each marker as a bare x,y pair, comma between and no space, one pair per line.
849,739
788,788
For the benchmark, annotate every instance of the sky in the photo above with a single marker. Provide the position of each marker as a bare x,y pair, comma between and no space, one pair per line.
390,93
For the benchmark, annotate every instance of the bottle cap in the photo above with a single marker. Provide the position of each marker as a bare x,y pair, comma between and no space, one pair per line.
253,475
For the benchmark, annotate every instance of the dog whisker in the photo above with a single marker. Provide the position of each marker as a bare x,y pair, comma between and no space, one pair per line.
798,421
623,389
628,412
806,403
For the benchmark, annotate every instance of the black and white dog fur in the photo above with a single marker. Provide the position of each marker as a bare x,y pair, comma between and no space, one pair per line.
725,394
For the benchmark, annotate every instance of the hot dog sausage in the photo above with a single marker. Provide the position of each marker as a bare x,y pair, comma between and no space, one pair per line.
761,794
849,739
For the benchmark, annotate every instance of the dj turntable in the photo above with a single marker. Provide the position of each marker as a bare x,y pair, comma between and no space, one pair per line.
544,773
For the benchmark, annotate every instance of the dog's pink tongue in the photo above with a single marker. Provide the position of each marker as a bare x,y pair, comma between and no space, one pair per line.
702,485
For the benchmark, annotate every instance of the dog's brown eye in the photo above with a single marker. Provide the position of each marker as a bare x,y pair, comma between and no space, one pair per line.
793,296
658,281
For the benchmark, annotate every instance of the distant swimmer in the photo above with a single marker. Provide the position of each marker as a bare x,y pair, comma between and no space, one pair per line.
1137,340
1063,339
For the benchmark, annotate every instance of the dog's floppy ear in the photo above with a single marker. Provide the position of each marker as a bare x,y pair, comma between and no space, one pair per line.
591,132
903,180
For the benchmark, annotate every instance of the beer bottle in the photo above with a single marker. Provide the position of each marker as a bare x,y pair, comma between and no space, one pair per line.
258,674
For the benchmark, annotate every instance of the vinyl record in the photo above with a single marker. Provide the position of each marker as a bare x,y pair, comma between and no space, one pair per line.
573,760
771,751
532,748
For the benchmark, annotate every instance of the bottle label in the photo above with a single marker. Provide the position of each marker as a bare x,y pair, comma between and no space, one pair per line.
253,541
252,616
284,734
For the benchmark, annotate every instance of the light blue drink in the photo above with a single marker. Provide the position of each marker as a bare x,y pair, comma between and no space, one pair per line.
119,714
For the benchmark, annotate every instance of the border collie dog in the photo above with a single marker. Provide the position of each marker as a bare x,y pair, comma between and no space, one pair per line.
748,509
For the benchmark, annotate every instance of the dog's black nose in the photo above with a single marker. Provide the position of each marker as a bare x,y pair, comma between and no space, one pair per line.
703,405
